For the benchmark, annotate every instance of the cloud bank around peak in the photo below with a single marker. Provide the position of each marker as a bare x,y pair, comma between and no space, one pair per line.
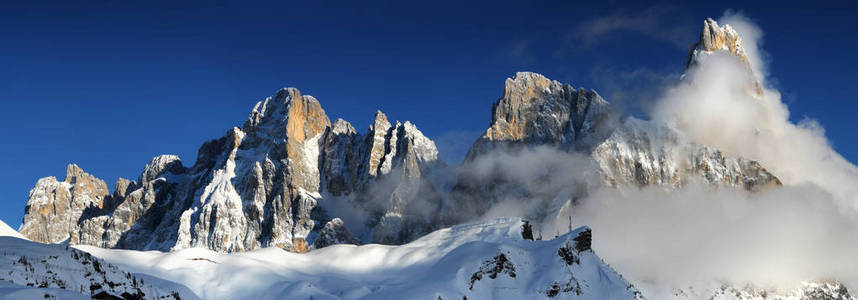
713,107
806,230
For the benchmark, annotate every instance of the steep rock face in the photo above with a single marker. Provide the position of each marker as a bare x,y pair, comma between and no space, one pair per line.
647,153
255,187
268,178
350,160
340,170
259,185
55,207
715,38
385,173
535,110
137,206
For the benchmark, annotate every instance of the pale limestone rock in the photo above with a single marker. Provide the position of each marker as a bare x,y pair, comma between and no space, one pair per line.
716,38
260,185
54,208
535,110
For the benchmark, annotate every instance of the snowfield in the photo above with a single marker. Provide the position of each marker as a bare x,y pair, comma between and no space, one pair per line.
30,270
478,261
5,230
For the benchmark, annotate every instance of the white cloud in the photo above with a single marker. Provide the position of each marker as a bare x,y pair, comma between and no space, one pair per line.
652,22
667,240
712,106
805,230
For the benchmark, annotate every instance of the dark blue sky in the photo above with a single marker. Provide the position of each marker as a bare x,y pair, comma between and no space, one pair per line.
110,85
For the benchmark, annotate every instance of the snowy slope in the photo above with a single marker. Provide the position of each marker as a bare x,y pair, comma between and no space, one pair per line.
30,270
12,291
5,230
481,261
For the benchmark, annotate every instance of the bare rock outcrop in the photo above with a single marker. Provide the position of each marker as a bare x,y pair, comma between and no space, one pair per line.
285,175
264,184
54,208
334,233
715,38
535,110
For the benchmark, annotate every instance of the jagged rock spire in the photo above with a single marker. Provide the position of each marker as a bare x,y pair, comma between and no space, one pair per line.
377,138
54,207
260,185
713,38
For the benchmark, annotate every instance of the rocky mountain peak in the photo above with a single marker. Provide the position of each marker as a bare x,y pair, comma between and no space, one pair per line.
161,164
536,110
523,94
380,120
378,135
288,113
54,207
341,126
271,182
714,38
75,175
261,185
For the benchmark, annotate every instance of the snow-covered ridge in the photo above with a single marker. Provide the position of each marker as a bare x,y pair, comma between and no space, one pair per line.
33,270
448,263
5,230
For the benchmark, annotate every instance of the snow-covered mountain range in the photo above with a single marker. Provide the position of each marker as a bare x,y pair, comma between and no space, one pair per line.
303,207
